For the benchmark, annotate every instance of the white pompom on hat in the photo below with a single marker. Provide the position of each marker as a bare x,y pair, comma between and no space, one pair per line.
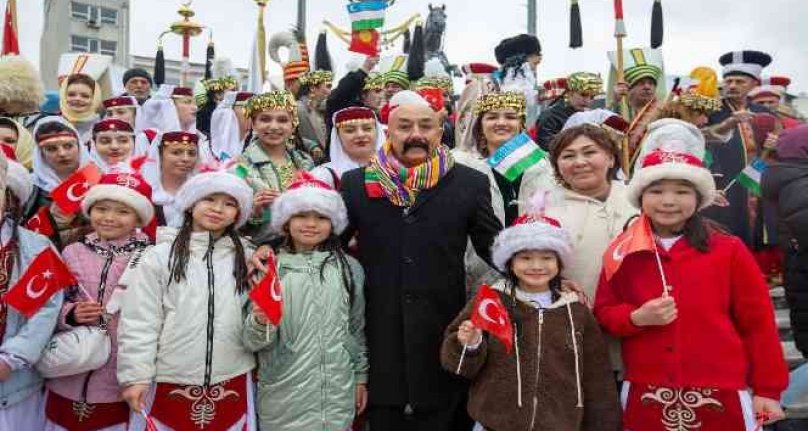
129,189
209,183
19,181
672,150
307,193
532,231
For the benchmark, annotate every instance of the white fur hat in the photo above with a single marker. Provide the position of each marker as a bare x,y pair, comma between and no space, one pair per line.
672,150
19,181
129,189
307,193
208,183
531,233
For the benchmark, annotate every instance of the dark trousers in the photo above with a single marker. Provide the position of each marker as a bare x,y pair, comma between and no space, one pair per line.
399,418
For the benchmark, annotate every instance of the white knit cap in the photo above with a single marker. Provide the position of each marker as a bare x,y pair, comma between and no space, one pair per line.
672,150
19,181
407,97
129,189
208,183
531,233
307,193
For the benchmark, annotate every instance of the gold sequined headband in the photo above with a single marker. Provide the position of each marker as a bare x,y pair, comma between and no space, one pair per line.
374,82
442,82
506,100
282,100
221,84
585,82
697,102
318,77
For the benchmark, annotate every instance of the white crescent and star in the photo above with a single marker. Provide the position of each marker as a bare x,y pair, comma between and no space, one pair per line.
36,293
274,291
483,310
617,253
71,195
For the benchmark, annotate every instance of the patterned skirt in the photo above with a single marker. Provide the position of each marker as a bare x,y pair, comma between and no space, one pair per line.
65,414
658,408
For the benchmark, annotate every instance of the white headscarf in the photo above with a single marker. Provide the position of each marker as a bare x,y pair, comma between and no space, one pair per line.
44,176
340,161
225,133
160,112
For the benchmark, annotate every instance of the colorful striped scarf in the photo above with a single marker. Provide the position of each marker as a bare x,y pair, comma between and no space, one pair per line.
386,178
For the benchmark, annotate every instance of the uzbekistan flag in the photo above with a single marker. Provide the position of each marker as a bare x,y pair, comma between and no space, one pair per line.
750,176
366,18
516,156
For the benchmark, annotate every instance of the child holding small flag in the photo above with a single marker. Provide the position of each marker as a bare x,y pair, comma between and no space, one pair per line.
180,355
547,366
31,283
688,301
312,359
116,207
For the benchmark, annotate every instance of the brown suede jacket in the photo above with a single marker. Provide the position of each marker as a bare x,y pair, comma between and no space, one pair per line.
550,389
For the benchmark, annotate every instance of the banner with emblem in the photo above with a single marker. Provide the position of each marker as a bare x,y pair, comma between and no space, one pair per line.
41,222
68,195
45,276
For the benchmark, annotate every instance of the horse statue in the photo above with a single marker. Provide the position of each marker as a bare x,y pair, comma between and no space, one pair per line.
434,34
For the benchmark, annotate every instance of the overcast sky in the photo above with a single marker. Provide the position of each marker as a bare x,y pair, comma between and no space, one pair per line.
697,32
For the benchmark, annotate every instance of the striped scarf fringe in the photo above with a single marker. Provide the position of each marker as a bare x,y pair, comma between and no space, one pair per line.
386,178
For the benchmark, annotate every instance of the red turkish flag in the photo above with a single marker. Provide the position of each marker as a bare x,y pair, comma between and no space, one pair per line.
11,44
267,293
638,237
45,276
41,222
491,315
68,195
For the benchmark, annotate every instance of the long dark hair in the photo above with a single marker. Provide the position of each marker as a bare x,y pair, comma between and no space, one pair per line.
332,245
181,252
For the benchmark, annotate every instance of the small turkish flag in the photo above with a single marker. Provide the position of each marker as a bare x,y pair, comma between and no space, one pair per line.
267,293
491,315
637,237
45,276
68,195
41,222
11,43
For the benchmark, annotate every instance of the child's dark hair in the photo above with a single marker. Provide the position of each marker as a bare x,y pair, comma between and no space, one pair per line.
512,282
181,253
332,245
697,228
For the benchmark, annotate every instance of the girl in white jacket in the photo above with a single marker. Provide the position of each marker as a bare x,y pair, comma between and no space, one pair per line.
180,354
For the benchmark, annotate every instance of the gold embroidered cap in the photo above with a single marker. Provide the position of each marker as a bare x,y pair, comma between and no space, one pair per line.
698,102
374,81
585,82
442,82
501,100
282,100
318,77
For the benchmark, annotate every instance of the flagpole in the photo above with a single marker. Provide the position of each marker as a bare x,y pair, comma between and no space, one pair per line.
731,183
462,356
261,39
619,35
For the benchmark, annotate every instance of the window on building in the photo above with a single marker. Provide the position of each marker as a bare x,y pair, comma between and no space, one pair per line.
108,48
108,16
80,10
79,44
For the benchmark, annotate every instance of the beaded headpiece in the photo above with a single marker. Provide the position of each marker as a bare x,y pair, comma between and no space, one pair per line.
585,82
354,115
442,82
318,77
698,102
273,100
224,83
505,100
374,81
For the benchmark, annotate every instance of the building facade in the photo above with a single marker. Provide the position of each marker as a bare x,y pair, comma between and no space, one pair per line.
196,72
93,26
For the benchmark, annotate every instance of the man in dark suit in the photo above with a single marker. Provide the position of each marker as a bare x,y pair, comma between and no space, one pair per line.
412,237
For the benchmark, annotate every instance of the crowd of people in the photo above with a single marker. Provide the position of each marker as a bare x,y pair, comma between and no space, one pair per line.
612,243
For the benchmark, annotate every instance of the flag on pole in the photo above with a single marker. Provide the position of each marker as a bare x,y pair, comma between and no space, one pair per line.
258,59
267,294
11,43
619,23
45,276
41,222
516,156
638,237
69,194
491,315
367,17
750,176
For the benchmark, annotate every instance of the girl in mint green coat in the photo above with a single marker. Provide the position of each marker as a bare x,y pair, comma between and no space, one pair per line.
313,365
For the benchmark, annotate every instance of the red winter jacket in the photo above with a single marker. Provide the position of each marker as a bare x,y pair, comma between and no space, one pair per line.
725,335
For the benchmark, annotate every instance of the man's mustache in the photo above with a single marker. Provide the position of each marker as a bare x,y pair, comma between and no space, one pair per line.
413,144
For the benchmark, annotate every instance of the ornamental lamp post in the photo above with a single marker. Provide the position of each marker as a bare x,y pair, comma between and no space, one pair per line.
187,29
